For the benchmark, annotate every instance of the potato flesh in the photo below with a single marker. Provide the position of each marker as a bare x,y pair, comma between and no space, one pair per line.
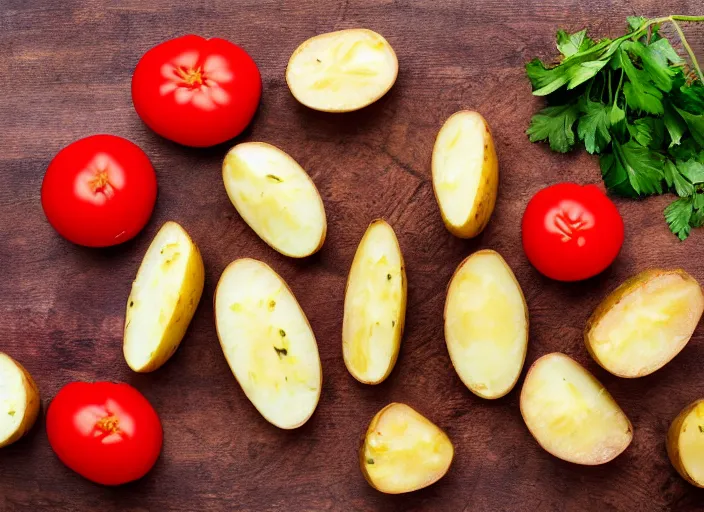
374,305
268,343
486,327
342,71
571,414
13,397
156,294
647,327
275,196
458,163
405,451
691,444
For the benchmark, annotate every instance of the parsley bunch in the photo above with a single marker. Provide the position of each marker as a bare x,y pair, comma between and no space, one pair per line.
635,102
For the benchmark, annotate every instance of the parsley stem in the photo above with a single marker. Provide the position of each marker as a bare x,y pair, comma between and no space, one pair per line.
689,48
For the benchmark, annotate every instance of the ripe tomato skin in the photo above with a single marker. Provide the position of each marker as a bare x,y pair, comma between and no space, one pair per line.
107,432
99,191
571,232
195,91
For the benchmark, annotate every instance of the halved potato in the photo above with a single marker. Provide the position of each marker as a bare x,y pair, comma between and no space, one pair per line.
342,71
276,197
19,400
163,299
268,343
375,306
645,322
403,451
465,173
486,324
571,414
685,443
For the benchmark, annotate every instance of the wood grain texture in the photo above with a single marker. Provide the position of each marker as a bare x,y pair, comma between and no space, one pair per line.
65,70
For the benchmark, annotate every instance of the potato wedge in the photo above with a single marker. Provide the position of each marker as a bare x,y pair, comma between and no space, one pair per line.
276,198
403,451
685,443
19,400
571,414
465,172
268,343
486,324
645,322
375,306
163,299
342,71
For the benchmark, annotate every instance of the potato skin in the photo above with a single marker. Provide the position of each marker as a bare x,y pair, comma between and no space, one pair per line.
302,48
401,320
627,287
363,462
525,308
521,402
484,205
31,407
305,317
189,298
673,445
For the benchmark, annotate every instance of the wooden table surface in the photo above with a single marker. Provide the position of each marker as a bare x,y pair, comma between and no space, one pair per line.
65,70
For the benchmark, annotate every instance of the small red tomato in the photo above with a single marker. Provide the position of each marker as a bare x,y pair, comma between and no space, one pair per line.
99,191
196,91
104,431
571,232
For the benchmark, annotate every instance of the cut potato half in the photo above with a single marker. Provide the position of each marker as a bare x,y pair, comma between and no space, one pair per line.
342,71
685,443
268,343
571,414
276,198
19,400
486,324
163,299
465,173
403,451
375,306
645,322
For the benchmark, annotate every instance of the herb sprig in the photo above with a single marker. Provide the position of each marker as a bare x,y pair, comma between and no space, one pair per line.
635,102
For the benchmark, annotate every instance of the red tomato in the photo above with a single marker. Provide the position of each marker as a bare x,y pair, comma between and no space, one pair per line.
104,431
196,91
99,191
571,232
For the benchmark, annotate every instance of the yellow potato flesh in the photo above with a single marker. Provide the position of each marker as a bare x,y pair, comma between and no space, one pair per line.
163,299
648,326
571,414
486,325
342,71
13,398
403,451
375,306
276,198
465,173
268,343
691,444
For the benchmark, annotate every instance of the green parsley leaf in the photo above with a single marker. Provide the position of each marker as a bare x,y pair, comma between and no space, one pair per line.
697,219
640,93
662,51
678,214
648,131
698,200
635,22
642,166
654,65
555,124
687,150
688,96
673,177
695,125
692,170
569,44
593,126
676,127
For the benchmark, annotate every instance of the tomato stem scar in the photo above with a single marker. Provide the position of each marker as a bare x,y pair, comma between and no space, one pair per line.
192,77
